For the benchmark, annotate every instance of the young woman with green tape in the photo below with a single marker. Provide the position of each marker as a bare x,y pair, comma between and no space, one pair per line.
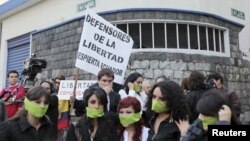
30,123
130,115
97,124
166,104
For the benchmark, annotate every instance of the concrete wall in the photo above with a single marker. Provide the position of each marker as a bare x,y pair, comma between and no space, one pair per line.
58,45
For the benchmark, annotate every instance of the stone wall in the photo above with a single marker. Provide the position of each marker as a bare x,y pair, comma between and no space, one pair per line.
59,44
178,66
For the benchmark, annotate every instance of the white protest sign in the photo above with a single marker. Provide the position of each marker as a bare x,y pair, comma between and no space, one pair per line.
103,45
67,86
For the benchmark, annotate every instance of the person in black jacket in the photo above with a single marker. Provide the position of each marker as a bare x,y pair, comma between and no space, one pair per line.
166,104
196,85
213,110
230,96
31,124
105,81
96,124
52,111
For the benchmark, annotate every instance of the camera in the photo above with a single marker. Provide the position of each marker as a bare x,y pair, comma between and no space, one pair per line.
209,83
6,91
32,66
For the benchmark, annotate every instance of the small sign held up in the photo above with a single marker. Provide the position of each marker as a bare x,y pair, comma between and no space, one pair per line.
67,87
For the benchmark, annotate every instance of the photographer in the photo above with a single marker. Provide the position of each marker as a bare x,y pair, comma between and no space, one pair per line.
32,66
13,94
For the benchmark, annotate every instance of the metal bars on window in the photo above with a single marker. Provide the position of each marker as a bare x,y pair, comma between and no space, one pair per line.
198,36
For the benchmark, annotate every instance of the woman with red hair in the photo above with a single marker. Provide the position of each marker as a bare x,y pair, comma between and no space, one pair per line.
131,128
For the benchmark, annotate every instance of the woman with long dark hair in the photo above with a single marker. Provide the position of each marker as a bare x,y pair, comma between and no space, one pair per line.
30,124
97,124
133,87
166,104
131,128
196,90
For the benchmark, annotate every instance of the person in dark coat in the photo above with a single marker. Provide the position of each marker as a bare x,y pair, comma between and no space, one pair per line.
230,96
166,104
196,85
213,110
30,124
96,124
52,111
105,81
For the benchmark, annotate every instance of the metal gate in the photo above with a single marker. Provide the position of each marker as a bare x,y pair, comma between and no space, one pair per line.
18,51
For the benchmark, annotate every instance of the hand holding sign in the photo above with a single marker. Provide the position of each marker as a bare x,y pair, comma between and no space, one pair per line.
72,99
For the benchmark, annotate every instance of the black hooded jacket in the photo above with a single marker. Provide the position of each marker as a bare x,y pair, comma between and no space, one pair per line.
20,130
113,103
106,130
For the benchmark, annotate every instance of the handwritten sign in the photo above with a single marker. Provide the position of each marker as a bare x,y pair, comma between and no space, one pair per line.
67,86
103,45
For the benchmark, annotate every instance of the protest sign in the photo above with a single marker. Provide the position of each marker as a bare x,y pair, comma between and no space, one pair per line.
67,86
103,45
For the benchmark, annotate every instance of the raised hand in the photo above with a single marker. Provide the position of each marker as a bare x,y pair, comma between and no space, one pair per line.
183,126
225,113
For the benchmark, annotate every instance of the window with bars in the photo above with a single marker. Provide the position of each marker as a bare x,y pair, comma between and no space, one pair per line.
175,35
